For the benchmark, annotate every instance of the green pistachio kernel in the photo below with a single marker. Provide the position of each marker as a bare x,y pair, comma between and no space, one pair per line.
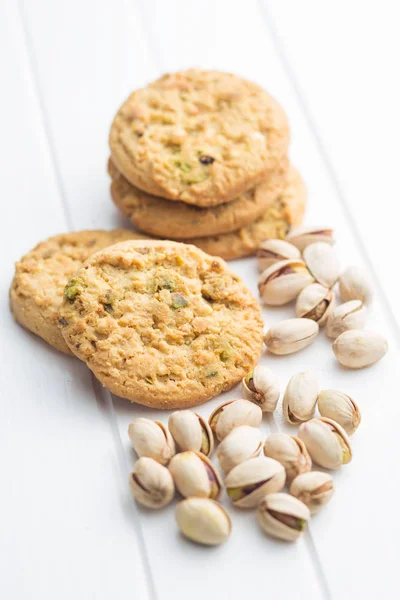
73,289
182,166
148,380
205,442
179,301
225,355
195,178
211,373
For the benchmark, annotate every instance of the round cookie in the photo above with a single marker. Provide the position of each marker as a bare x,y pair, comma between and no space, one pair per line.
162,323
201,137
163,218
41,275
286,211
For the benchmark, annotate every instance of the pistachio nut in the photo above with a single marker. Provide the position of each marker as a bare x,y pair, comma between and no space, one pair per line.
203,520
359,348
283,516
273,251
322,263
195,475
239,445
301,238
300,398
151,484
232,414
152,439
282,281
339,407
350,315
253,479
355,285
327,442
261,386
290,451
291,335
315,302
315,489
191,432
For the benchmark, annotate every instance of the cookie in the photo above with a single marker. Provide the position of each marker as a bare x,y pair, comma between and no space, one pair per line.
161,323
163,218
41,275
286,211
201,137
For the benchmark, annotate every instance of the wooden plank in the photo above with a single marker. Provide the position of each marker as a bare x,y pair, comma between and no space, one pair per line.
66,527
116,38
339,535
343,56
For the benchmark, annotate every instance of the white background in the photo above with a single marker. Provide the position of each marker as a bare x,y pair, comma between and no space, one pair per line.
68,528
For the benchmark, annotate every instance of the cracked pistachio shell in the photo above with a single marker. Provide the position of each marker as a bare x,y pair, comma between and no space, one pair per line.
339,407
261,386
327,442
151,484
152,439
301,238
273,251
203,520
191,432
350,315
283,281
232,414
195,475
239,445
290,451
359,348
322,263
355,285
291,335
315,302
283,516
300,398
253,479
315,489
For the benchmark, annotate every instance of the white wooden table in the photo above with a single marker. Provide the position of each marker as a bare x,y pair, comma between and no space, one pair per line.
68,528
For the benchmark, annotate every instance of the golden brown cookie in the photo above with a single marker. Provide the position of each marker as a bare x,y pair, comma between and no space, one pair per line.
201,137
287,211
41,275
161,323
163,218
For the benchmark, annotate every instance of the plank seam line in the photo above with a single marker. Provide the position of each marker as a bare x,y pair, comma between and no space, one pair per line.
315,132
32,61
105,398
320,576
341,196
283,59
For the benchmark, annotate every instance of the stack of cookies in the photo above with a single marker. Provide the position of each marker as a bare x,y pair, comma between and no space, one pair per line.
201,157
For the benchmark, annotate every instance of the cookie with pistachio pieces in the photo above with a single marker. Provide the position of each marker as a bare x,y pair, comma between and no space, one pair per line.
201,137
178,220
286,211
162,323
41,276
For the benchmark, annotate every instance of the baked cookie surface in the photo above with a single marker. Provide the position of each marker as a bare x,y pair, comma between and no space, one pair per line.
285,212
163,218
41,275
201,137
162,323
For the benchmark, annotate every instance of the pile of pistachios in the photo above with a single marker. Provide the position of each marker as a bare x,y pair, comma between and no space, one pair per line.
305,267
254,472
